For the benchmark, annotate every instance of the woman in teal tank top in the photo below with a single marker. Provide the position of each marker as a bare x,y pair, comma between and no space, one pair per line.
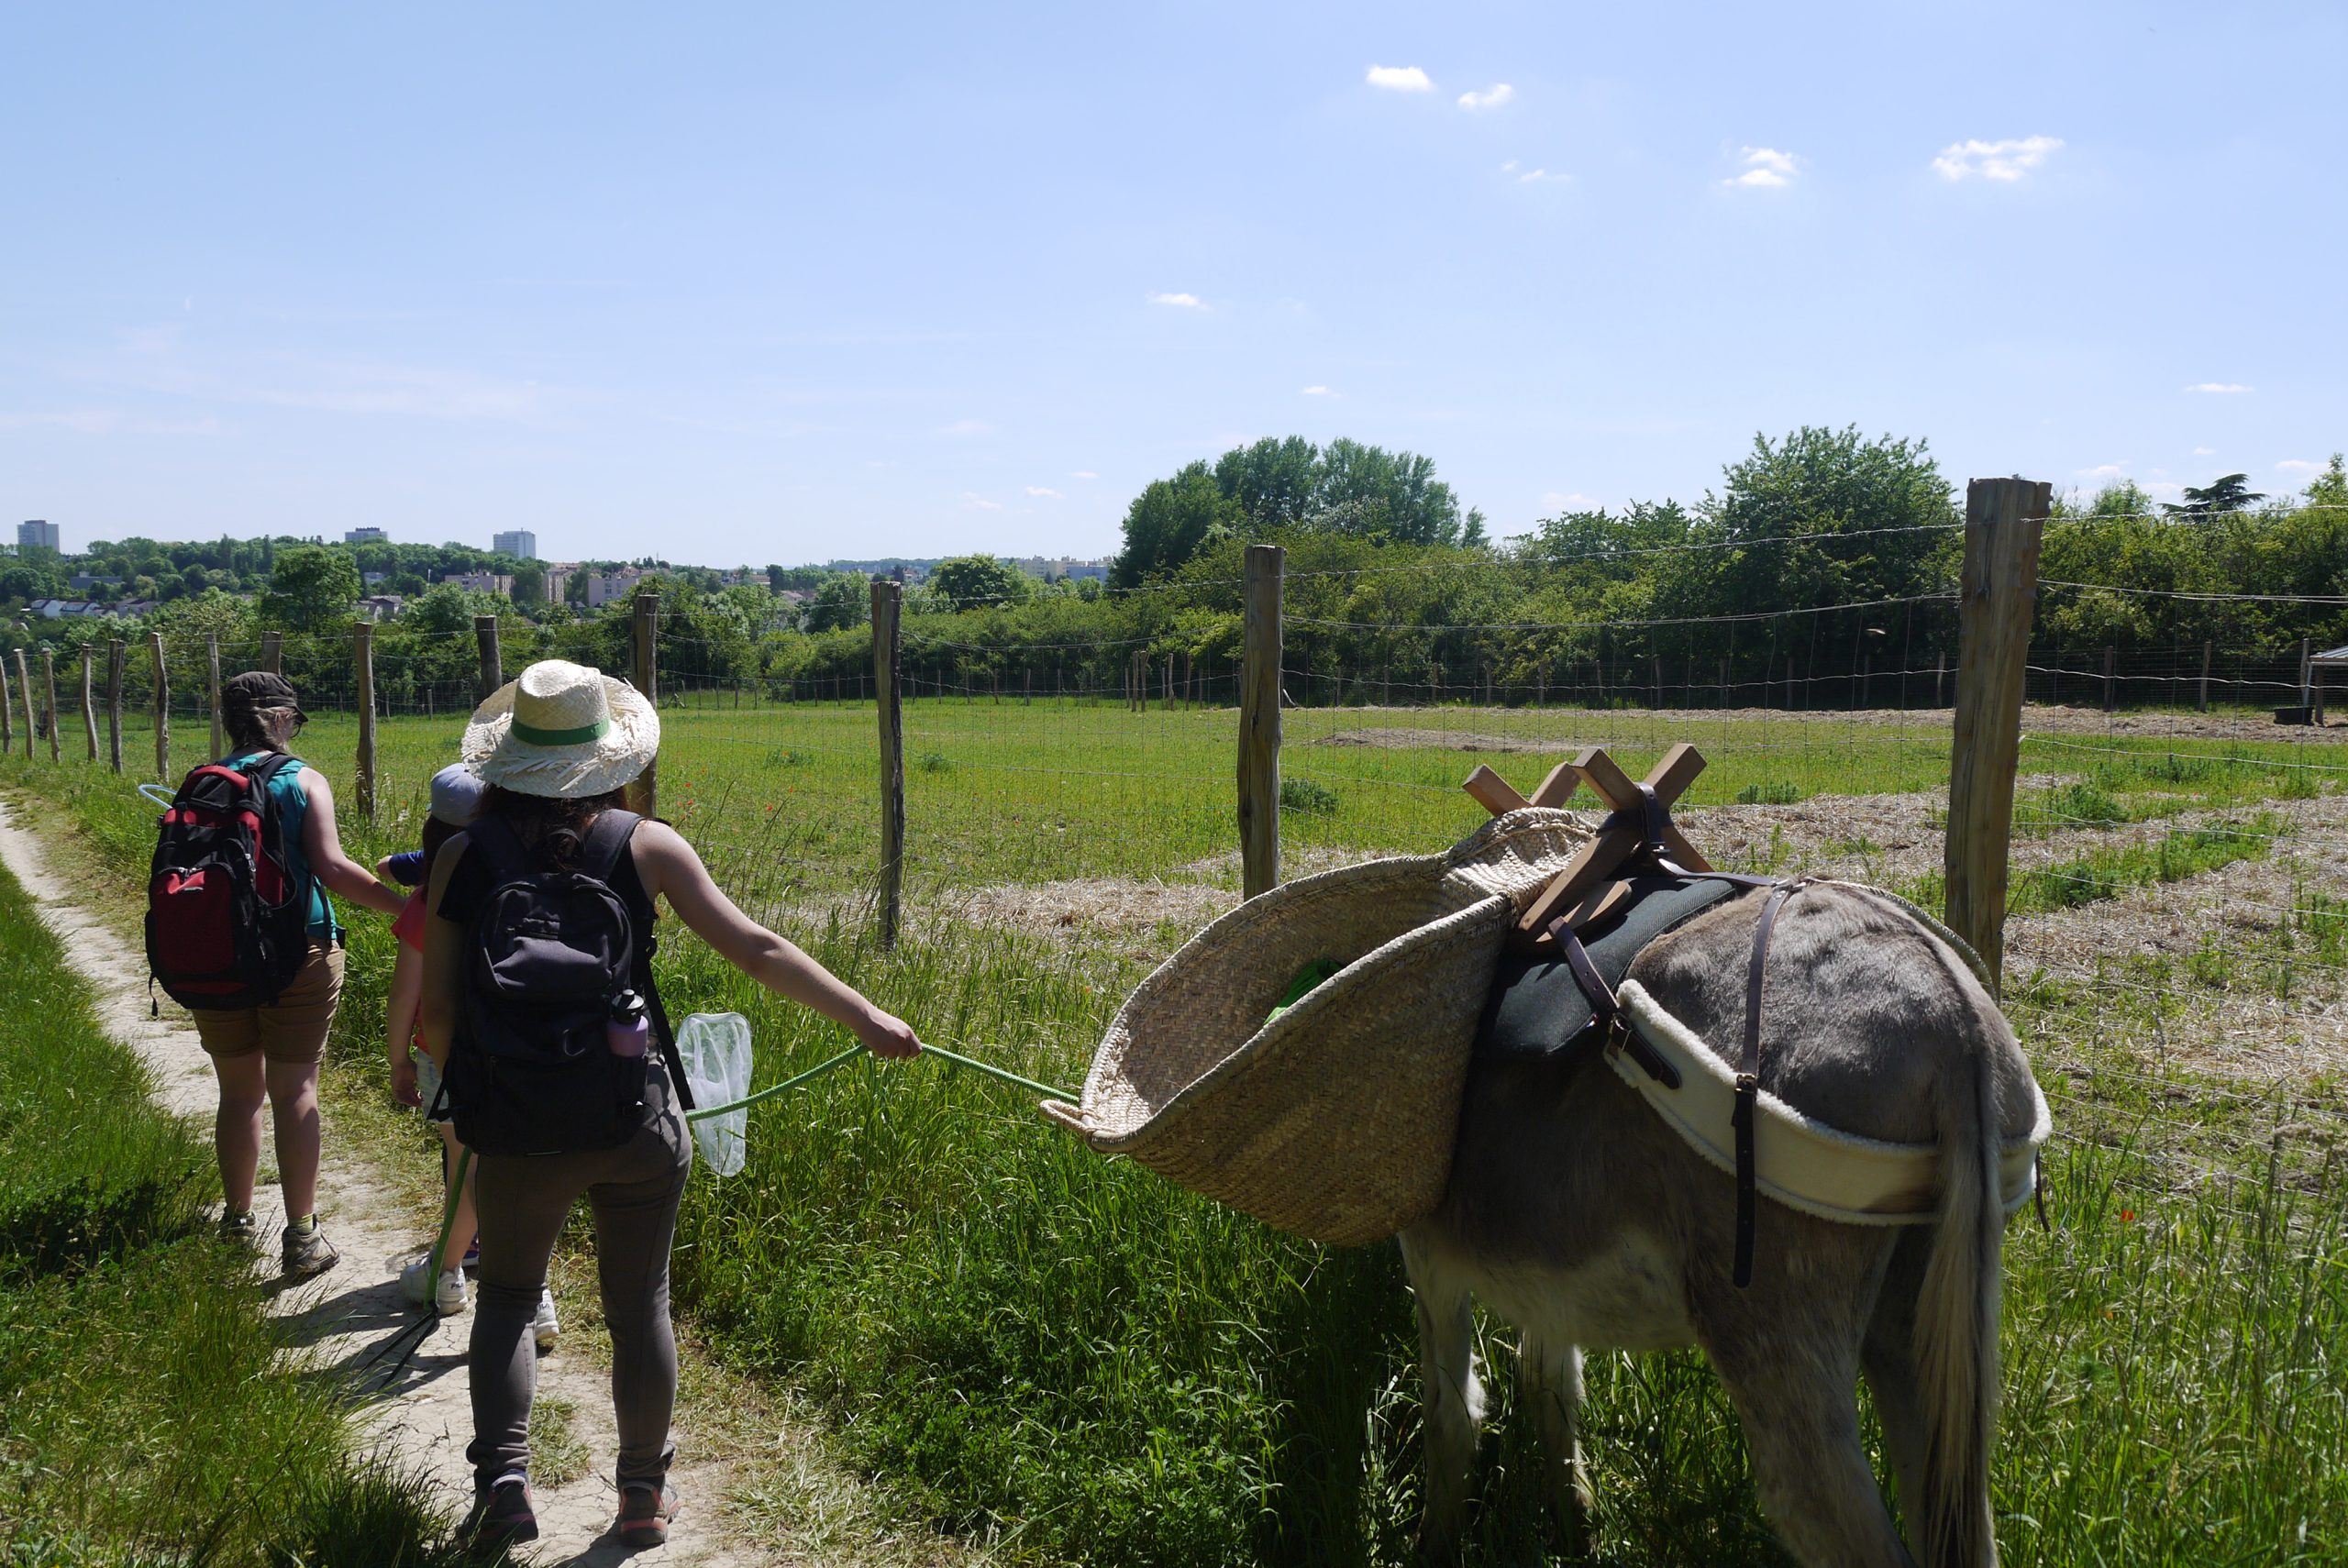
271,1055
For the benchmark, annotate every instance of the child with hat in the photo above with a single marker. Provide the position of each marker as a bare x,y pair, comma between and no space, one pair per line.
456,796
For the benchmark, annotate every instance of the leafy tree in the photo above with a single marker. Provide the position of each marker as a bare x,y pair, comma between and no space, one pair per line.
310,587
529,583
840,603
975,582
1170,520
27,582
2330,487
2231,493
1282,485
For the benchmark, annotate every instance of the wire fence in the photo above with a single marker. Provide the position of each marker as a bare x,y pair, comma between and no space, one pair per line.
2177,897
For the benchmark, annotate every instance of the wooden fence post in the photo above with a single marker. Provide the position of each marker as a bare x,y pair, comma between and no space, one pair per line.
48,683
25,696
362,655
2004,520
115,654
2208,645
162,708
887,599
2307,673
2110,654
1259,724
644,674
212,691
89,709
7,711
272,652
493,661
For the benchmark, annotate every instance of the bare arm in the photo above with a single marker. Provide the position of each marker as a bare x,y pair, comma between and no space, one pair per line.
443,973
328,864
669,868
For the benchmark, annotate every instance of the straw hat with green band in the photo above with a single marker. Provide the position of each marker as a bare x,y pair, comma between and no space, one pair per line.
562,729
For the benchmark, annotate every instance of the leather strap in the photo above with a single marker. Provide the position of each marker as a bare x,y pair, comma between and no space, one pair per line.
1606,1010
1748,1078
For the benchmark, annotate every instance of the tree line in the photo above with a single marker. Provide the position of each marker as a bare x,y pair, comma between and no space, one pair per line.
1819,573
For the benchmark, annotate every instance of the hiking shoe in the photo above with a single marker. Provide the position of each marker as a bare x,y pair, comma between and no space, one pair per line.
308,1252
646,1513
236,1227
544,1326
445,1292
501,1517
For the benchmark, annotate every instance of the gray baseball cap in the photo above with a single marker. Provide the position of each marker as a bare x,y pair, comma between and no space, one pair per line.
456,794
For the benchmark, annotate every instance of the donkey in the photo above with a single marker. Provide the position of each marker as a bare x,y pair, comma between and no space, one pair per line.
1575,1212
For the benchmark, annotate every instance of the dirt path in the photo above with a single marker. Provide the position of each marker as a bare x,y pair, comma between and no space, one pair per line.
346,1314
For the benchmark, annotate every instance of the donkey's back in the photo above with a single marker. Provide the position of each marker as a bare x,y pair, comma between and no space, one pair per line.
1576,1212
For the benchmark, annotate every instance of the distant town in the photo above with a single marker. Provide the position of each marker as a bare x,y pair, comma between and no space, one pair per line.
133,578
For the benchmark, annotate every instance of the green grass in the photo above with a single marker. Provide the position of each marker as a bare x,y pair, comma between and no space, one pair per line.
2173,857
1084,1362
146,1415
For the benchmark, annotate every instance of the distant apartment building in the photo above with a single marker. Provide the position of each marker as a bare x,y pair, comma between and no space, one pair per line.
604,586
559,580
37,535
482,581
1050,567
519,543
380,607
366,536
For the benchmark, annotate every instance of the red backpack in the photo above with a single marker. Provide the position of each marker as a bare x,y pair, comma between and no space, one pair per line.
227,925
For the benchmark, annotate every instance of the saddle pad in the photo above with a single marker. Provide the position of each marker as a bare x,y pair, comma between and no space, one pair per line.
1536,1010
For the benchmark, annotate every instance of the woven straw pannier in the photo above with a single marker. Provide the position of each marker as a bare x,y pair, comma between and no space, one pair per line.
1337,1119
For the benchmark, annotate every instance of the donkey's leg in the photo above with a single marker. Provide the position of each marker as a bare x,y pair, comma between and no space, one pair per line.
1454,1402
1788,1351
1553,1383
1888,1358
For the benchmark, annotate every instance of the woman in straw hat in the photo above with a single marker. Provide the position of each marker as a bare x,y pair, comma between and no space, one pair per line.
555,748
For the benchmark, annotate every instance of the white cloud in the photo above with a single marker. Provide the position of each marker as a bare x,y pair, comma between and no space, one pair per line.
2205,451
1320,392
1570,501
1995,159
965,427
1764,166
1492,97
2300,466
1535,176
1399,79
2104,471
2222,387
1181,301
1084,474
972,498
1045,492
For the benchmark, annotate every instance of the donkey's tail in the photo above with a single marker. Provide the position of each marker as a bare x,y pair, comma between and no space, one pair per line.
1956,1326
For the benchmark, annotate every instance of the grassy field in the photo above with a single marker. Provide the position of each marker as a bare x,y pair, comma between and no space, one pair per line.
1085,1363
145,1416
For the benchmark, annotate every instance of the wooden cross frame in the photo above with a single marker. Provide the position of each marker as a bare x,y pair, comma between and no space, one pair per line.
1588,888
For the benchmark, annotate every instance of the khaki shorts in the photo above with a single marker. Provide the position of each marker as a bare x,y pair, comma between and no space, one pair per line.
293,1029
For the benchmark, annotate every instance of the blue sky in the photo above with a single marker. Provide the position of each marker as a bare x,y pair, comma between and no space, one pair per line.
762,284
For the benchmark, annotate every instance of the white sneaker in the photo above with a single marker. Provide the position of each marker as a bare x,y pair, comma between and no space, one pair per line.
445,1291
543,1327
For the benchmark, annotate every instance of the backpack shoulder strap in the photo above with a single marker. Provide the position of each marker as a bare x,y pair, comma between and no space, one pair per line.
606,842
270,766
500,850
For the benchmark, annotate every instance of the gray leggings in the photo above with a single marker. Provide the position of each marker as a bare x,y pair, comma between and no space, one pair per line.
633,1190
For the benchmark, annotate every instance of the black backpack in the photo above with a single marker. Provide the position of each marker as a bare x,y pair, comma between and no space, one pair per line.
228,922
548,953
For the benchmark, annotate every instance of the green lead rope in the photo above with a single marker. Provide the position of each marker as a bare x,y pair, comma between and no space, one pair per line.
820,1068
